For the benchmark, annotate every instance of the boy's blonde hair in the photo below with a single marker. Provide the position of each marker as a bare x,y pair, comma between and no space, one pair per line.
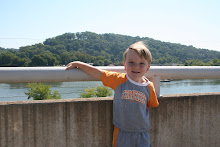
141,50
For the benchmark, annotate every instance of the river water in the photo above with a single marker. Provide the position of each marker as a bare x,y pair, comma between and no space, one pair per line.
68,90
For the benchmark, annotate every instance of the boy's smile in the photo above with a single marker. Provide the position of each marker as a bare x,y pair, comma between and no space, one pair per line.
135,66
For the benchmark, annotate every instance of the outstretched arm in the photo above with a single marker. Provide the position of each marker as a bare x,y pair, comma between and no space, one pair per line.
91,70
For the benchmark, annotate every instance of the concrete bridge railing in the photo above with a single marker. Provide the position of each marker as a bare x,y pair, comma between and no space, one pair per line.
179,121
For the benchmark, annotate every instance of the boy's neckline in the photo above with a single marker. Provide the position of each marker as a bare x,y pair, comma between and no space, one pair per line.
147,82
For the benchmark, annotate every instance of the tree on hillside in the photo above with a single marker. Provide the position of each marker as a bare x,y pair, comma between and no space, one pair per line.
44,60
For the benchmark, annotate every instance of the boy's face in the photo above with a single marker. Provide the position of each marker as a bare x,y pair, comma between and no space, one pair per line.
135,66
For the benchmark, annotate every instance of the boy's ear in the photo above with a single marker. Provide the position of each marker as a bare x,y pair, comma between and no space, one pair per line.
148,68
124,65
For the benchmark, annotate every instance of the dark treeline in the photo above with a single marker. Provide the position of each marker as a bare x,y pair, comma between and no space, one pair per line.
103,49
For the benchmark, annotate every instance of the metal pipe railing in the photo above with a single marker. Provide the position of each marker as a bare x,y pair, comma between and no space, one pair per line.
59,74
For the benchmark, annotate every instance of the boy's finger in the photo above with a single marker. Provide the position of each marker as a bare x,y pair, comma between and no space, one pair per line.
68,67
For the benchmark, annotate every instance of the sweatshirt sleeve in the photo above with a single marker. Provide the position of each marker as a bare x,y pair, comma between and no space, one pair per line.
112,79
153,101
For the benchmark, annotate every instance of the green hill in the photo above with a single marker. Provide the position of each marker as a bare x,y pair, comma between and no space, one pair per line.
102,49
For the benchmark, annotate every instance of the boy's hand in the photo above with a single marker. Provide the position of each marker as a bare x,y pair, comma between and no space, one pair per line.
71,65
93,71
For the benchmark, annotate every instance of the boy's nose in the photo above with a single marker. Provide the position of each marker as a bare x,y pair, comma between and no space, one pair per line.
136,65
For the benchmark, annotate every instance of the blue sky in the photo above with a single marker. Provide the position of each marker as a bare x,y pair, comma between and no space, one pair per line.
188,22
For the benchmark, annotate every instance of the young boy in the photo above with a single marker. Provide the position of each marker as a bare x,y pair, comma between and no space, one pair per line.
134,95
